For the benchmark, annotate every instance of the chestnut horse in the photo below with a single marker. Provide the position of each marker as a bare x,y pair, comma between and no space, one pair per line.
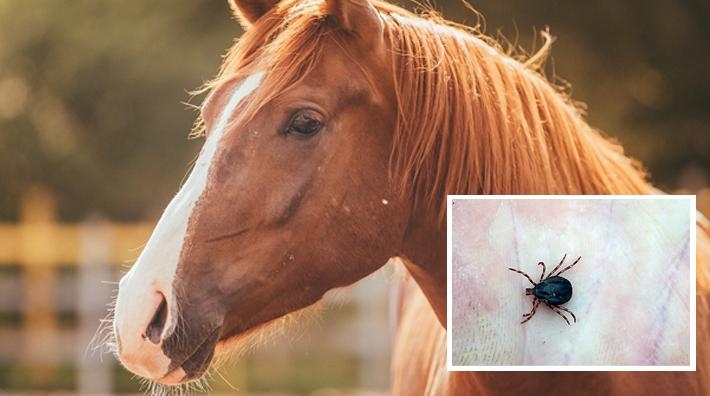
334,131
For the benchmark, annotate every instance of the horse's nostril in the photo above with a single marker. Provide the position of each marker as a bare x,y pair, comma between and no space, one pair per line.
156,325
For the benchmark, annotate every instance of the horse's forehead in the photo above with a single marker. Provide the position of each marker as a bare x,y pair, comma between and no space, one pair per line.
345,74
224,89
342,71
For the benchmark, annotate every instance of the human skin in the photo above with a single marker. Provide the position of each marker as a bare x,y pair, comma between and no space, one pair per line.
631,287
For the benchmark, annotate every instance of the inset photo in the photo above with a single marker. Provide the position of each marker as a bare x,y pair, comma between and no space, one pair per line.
571,283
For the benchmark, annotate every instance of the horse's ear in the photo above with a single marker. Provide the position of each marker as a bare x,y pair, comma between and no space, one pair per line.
355,16
249,11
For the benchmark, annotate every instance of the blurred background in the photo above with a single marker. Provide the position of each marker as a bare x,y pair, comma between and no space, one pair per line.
93,144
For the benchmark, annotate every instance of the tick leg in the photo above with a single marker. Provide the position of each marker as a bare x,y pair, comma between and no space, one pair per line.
557,311
570,266
529,315
536,302
567,310
543,270
522,273
558,265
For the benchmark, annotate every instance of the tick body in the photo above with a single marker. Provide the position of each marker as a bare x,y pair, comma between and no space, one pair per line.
553,291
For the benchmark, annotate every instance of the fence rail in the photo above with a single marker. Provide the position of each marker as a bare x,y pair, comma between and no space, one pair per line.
38,240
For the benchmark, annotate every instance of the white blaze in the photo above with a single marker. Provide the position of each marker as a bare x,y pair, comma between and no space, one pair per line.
155,269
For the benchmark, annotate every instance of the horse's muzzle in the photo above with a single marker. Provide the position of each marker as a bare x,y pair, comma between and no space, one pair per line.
142,320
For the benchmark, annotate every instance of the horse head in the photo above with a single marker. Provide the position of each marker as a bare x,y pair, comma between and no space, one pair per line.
288,198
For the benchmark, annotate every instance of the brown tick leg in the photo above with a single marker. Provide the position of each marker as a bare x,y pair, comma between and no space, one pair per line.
536,302
557,311
567,310
524,274
543,270
570,266
558,265
532,313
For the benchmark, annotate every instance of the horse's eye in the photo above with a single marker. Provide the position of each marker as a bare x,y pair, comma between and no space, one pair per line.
304,123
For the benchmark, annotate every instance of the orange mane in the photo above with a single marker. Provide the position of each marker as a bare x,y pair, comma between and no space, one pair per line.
471,118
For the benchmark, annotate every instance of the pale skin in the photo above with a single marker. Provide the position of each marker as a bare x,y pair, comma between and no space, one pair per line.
631,286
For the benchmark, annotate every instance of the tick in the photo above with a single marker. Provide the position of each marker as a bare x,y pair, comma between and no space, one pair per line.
553,290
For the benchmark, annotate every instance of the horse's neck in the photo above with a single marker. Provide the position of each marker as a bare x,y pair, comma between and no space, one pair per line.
424,256
530,139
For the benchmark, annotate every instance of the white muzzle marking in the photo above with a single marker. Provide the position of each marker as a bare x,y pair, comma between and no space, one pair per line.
150,280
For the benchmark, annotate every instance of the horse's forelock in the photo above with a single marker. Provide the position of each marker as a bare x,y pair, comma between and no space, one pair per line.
286,43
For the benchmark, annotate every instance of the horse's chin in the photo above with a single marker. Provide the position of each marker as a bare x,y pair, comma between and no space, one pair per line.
229,344
195,366
175,377
204,357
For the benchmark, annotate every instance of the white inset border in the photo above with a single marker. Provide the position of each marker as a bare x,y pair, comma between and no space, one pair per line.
692,279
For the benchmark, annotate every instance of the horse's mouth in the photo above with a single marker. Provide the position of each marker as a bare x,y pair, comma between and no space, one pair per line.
196,364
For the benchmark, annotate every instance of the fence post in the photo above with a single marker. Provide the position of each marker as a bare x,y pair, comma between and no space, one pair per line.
371,297
37,236
94,374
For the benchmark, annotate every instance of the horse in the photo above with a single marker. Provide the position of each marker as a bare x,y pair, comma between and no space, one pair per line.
334,130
